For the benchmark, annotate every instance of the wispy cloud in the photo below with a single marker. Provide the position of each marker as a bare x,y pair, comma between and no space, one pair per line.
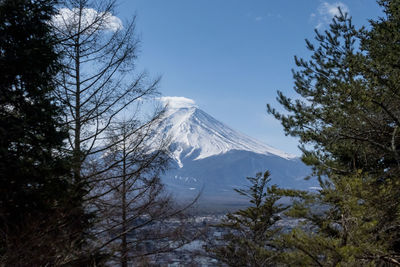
66,18
326,11
331,10
274,15
177,102
264,16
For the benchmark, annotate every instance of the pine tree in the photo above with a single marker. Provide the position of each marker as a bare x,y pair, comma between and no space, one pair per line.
249,234
36,199
347,122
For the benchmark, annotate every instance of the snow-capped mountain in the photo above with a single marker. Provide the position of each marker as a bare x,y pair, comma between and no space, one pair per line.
195,132
212,157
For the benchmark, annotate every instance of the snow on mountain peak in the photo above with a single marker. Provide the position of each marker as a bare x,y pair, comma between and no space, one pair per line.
193,132
176,102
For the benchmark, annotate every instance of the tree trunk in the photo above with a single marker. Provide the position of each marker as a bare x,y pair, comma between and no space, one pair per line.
124,247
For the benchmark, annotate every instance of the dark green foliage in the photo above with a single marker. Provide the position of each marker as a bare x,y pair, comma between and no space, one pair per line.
34,173
347,120
250,233
340,226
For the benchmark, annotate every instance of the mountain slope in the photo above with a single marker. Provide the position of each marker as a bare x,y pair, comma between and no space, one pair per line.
193,130
213,158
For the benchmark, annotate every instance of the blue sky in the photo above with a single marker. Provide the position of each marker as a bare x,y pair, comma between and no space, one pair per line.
231,56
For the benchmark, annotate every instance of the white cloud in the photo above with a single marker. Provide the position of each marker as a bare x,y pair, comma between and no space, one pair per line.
331,10
259,18
326,12
69,17
177,102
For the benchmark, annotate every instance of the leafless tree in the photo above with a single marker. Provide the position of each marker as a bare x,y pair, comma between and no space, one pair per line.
99,80
139,219
117,165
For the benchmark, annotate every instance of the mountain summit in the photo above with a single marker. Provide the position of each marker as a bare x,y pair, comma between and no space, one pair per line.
197,135
213,158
